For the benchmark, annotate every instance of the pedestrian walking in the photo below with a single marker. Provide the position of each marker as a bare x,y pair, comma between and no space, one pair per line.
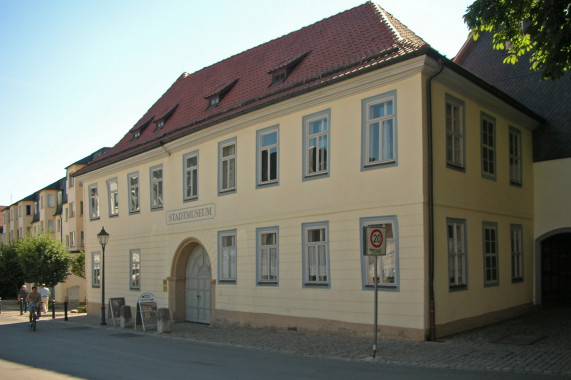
22,296
45,293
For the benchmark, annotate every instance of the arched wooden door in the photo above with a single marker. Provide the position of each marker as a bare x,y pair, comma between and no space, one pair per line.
198,288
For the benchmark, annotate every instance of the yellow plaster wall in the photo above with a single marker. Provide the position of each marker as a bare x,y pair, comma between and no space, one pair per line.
341,199
552,195
467,195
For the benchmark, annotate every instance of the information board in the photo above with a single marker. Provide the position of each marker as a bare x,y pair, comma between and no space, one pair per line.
115,308
146,311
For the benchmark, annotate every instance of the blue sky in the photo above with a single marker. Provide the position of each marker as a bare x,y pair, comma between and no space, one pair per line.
77,75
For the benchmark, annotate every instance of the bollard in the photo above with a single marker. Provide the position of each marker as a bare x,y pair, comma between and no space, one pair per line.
53,302
163,320
65,310
21,307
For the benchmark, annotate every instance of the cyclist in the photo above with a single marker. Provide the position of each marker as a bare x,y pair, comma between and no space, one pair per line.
34,299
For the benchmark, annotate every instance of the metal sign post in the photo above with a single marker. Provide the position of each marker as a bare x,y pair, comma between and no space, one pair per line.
374,244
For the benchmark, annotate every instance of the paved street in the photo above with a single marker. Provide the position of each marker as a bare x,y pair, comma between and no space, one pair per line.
537,344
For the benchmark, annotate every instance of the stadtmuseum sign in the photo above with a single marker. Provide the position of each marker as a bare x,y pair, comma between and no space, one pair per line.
191,214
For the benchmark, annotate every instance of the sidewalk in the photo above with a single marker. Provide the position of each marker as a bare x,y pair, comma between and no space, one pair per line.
536,343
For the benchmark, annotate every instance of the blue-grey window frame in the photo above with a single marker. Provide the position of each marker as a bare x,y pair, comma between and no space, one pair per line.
130,196
305,120
94,283
259,134
131,286
491,119
371,220
450,99
491,225
522,278
305,282
221,146
151,170
517,133
185,157
464,286
109,182
259,232
91,217
221,234
365,103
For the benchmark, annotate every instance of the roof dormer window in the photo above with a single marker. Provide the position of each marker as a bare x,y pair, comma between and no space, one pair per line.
285,68
137,131
215,97
163,117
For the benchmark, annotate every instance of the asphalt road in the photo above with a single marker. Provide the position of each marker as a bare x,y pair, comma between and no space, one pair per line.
59,350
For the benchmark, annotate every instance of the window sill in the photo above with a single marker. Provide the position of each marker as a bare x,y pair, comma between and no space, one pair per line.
456,288
517,280
456,167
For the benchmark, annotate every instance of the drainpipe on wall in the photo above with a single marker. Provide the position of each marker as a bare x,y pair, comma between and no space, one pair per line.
431,306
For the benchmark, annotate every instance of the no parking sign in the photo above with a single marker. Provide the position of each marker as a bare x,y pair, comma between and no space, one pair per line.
374,241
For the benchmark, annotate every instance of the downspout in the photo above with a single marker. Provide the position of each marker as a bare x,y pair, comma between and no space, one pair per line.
431,305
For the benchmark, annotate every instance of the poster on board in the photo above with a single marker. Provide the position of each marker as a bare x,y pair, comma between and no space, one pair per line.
115,308
146,311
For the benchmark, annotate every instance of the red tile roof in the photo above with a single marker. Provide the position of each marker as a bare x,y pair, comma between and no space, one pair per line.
340,46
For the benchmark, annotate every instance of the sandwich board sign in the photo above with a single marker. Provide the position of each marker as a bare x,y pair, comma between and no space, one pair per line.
146,311
374,240
115,308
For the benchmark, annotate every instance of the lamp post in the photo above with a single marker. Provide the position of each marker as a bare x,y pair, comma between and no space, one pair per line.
103,238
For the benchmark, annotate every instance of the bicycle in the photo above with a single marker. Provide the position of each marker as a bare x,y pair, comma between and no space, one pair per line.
34,316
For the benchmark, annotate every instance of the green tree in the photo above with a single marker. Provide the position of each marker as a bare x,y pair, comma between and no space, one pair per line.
43,260
78,264
521,26
11,275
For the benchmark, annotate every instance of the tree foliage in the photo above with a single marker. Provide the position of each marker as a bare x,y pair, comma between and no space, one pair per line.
78,264
521,26
11,275
43,260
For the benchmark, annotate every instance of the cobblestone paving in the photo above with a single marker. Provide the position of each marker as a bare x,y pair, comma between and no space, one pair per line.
536,343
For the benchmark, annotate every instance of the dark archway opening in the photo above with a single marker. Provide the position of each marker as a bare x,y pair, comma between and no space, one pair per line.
556,269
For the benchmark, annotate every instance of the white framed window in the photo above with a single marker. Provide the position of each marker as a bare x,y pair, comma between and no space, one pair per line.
71,180
51,202
457,259
134,201
316,254
455,129
58,225
71,209
490,248
50,226
95,269
72,239
156,174
387,266
515,156
488,137
227,156
267,255
378,132
316,144
516,243
267,157
66,214
81,208
190,183
93,202
135,269
113,197
82,237
227,256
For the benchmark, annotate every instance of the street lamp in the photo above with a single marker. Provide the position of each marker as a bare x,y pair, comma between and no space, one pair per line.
103,238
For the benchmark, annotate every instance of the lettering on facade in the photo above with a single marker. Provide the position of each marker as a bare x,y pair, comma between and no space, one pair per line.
191,214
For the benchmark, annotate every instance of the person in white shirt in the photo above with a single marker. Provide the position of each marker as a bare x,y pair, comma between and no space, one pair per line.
45,293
